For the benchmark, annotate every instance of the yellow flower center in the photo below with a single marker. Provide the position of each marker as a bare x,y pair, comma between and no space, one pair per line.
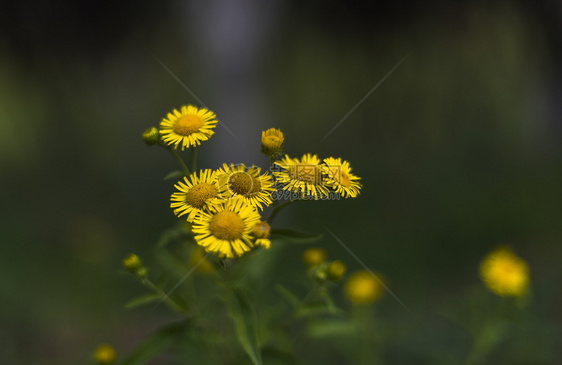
272,142
306,172
227,226
188,124
243,183
198,194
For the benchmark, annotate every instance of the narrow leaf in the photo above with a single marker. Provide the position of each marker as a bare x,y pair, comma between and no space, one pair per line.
178,174
295,235
242,313
142,300
289,295
157,343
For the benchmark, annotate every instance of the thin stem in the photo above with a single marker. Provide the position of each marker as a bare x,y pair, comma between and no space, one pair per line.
193,158
178,158
276,210
156,288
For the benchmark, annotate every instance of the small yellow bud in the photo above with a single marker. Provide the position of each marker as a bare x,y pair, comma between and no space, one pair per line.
320,274
272,142
151,136
132,262
362,288
314,256
105,354
261,230
141,272
336,270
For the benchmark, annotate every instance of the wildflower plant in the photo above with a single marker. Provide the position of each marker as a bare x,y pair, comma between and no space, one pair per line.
214,267
212,263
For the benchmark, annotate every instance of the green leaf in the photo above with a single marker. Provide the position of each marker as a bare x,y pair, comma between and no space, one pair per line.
318,309
242,313
142,300
295,235
289,295
180,232
178,174
158,343
331,328
272,356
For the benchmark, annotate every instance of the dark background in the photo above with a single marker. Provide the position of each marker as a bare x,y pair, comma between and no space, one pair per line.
459,149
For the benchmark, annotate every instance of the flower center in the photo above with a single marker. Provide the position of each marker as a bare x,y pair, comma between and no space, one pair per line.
188,124
198,194
240,183
227,226
306,172
243,183
272,142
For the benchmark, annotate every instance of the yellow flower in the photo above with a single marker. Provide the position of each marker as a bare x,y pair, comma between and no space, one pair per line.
272,142
336,270
261,233
340,178
302,176
188,127
504,273
197,194
105,354
226,231
314,257
237,180
363,288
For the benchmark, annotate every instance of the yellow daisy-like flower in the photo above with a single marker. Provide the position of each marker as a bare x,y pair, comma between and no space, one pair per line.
196,194
237,180
105,354
340,178
226,231
188,127
304,176
505,273
272,142
362,288
261,233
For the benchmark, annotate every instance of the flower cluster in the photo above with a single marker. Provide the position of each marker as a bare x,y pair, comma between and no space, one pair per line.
224,205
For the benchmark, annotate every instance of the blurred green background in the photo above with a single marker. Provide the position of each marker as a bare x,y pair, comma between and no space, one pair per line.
459,150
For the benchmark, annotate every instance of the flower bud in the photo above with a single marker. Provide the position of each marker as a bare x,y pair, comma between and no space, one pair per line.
336,270
151,136
105,354
363,288
272,142
132,263
314,257
261,230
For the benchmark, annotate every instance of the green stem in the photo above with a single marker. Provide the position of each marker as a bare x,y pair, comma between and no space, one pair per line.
178,158
149,284
276,210
193,158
